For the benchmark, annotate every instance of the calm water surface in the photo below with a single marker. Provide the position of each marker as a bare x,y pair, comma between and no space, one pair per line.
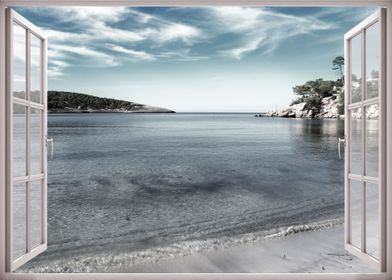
128,182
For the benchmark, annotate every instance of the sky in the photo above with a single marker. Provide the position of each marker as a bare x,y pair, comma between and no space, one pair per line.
199,59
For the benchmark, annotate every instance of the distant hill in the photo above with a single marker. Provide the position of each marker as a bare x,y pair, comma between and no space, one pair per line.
72,102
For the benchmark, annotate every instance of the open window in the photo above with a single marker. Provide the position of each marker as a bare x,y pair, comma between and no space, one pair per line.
365,128
26,147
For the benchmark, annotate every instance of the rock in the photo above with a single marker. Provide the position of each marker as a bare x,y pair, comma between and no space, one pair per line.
291,114
287,113
329,110
299,109
309,114
284,113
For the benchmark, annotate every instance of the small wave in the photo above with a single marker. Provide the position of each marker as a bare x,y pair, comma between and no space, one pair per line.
111,262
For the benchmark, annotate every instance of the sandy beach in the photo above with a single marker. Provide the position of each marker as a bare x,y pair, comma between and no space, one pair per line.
310,250
319,251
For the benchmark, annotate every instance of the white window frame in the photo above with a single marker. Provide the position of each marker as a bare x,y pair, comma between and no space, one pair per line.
387,275
31,251
360,29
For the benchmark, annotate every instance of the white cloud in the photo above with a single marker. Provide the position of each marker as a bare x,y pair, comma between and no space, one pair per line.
95,25
94,33
59,63
176,31
138,55
62,36
184,55
118,35
54,53
261,28
61,54
82,50
55,72
89,28
240,51
86,15
236,18
56,68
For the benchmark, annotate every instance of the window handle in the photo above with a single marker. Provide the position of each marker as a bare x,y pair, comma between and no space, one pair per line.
51,141
340,141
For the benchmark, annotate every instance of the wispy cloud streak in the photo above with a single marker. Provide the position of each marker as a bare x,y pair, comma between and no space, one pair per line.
113,36
261,28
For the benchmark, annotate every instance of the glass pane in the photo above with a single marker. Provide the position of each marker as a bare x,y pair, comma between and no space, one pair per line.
35,69
35,141
19,140
373,41
356,141
372,222
355,210
372,127
36,213
356,62
19,61
19,220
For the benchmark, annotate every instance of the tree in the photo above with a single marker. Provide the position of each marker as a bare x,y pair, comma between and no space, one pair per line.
304,90
314,103
317,87
337,65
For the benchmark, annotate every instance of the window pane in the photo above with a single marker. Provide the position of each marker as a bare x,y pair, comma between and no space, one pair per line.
35,69
372,127
36,141
19,140
19,61
36,213
355,210
19,220
372,222
373,41
356,141
356,62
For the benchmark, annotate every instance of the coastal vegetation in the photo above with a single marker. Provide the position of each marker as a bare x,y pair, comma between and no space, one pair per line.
313,92
317,98
68,102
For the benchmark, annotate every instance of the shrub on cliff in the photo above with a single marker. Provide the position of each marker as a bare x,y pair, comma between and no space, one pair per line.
323,88
313,103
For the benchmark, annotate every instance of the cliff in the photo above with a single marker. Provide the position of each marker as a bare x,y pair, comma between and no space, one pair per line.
328,109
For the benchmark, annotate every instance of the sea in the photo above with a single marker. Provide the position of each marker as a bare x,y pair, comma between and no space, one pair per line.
134,188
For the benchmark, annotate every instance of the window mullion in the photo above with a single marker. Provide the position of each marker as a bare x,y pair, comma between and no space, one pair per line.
28,146
363,136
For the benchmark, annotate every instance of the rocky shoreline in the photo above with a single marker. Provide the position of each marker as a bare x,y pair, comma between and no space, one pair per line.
329,110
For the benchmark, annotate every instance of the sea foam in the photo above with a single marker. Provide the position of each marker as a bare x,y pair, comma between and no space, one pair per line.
111,262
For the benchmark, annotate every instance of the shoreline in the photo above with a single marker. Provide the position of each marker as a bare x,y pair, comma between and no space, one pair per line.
109,112
315,251
276,116
278,246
